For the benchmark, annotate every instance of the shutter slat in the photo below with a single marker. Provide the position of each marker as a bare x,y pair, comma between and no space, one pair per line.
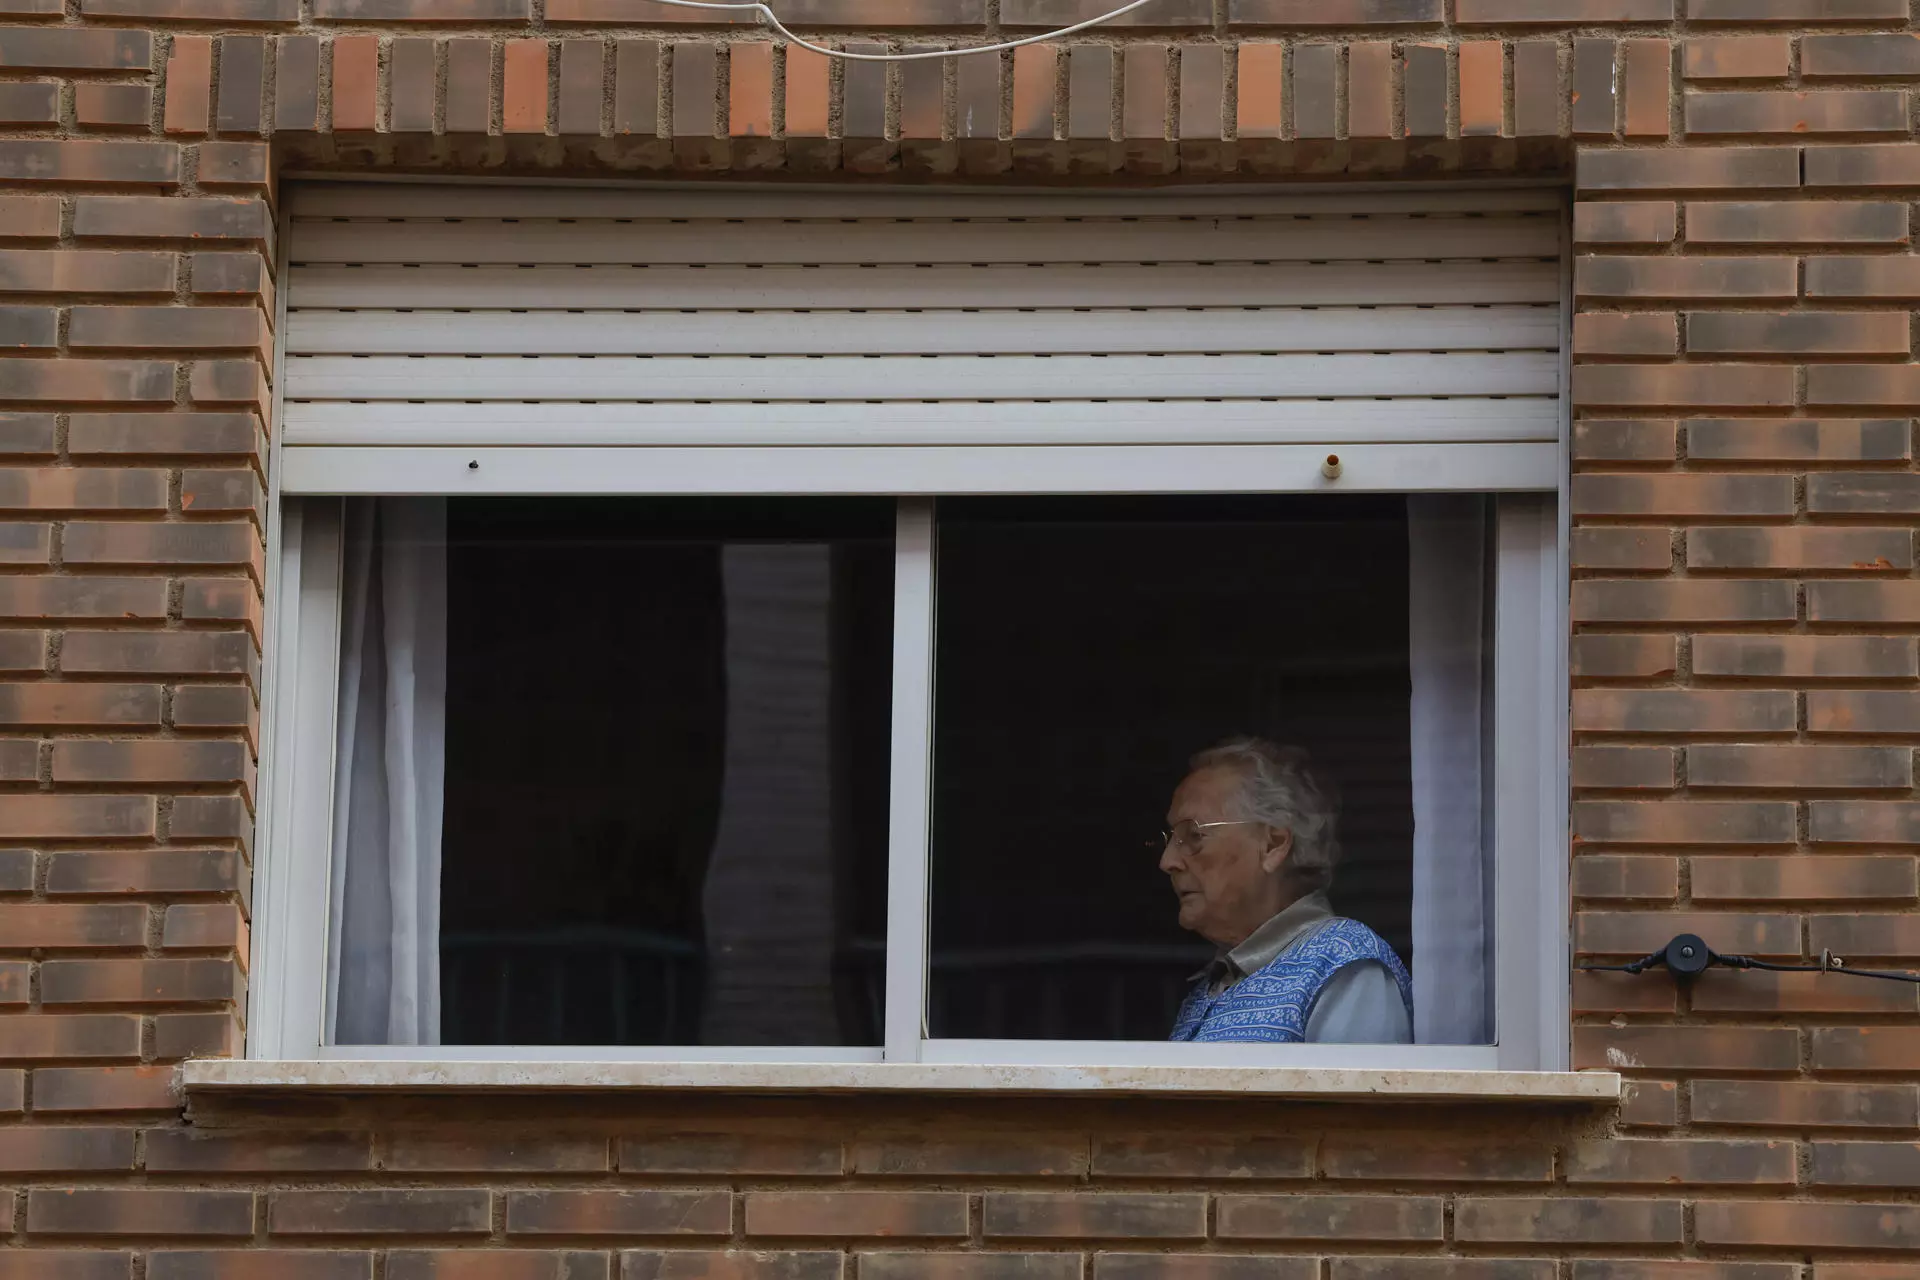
1502,328
913,378
789,288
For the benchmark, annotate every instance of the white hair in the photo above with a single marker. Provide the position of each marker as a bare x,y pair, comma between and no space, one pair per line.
1279,787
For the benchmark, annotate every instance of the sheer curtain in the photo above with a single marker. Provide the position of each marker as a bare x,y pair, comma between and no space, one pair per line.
383,954
1446,612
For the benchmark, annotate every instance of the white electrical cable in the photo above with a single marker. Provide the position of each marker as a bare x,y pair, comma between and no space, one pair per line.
772,19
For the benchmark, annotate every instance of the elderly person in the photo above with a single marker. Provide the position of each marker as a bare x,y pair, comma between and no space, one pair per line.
1250,851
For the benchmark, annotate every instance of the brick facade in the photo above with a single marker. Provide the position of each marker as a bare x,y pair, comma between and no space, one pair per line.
1747,684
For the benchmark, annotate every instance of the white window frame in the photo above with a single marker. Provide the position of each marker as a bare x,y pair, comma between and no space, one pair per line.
286,1009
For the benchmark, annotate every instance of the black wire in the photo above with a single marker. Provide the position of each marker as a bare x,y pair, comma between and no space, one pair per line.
1658,960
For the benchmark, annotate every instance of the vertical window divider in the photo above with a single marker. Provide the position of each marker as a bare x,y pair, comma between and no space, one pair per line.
907,822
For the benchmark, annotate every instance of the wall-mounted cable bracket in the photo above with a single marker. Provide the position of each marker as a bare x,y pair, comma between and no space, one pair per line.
1687,956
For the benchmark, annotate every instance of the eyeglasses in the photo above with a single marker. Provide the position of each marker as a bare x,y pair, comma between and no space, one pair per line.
1189,834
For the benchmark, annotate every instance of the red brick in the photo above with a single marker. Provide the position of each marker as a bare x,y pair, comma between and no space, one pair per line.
1625,439
1737,57
234,435
1202,93
1315,104
1684,822
85,161
1595,102
1257,107
1641,494
259,1264
653,1213
523,97
720,1152
1482,88
60,817
64,982
1799,547
1692,711
1722,991
1884,54
85,271
1800,767
1813,658
1834,878
636,78
1873,164
1783,111
202,706
1639,333
196,1035
1567,1221
24,217
65,1148
1710,385
1568,13
297,84
1807,1225
695,77
1328,1217
52,925
582,74
1865,934
1615,876
227,328
27,543
1537,92
468,104
1637,933
854,1213
1686,1048
1646,69
64,1264
1370,89
945,1266
173,217
113,106
1144,106
494,1264
1796,222
189,84
1033,79
1199,1156
988,1155
87,381
68,1035
210,818
1866,1164
1436,1268
1626,768
1609,993
756,1264
104,1089
1649,1104
75,49
1601,656
144,1211
79,704
1085,1214
1795,10
1689,169
378,1211
524,1153
1689,601
168,653
1803,1104
204,926
1090,94
1697,1163
152,871
273,1151
1799,439
750,94
30,102
1367,1156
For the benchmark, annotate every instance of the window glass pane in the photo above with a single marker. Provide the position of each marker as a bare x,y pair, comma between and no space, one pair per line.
1088,648
612,772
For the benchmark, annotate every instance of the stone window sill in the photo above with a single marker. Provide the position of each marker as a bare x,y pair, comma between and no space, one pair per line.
207,1076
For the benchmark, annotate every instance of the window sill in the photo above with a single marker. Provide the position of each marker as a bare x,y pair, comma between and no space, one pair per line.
1318,1083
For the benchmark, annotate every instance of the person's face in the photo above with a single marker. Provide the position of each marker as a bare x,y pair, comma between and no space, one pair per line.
1225,877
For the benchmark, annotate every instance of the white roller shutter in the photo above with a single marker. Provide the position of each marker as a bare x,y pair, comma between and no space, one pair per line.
909,329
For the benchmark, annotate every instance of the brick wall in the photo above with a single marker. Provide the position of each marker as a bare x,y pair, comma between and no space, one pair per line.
1747,686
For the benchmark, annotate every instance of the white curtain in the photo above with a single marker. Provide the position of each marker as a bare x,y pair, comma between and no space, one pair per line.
1446,610
383,954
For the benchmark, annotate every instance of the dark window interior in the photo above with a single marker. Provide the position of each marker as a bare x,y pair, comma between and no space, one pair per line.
667,770
1086,648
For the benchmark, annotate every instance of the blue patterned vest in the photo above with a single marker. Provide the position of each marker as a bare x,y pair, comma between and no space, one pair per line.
1271,1005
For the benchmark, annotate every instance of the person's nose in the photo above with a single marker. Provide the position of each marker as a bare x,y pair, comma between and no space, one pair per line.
1170,859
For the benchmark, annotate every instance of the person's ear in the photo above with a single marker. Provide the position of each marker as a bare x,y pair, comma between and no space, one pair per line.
1279,846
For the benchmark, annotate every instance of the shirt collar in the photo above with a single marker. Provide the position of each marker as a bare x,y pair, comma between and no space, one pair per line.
1264,945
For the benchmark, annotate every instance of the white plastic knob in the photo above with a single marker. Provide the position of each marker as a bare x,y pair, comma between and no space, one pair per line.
1331,467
